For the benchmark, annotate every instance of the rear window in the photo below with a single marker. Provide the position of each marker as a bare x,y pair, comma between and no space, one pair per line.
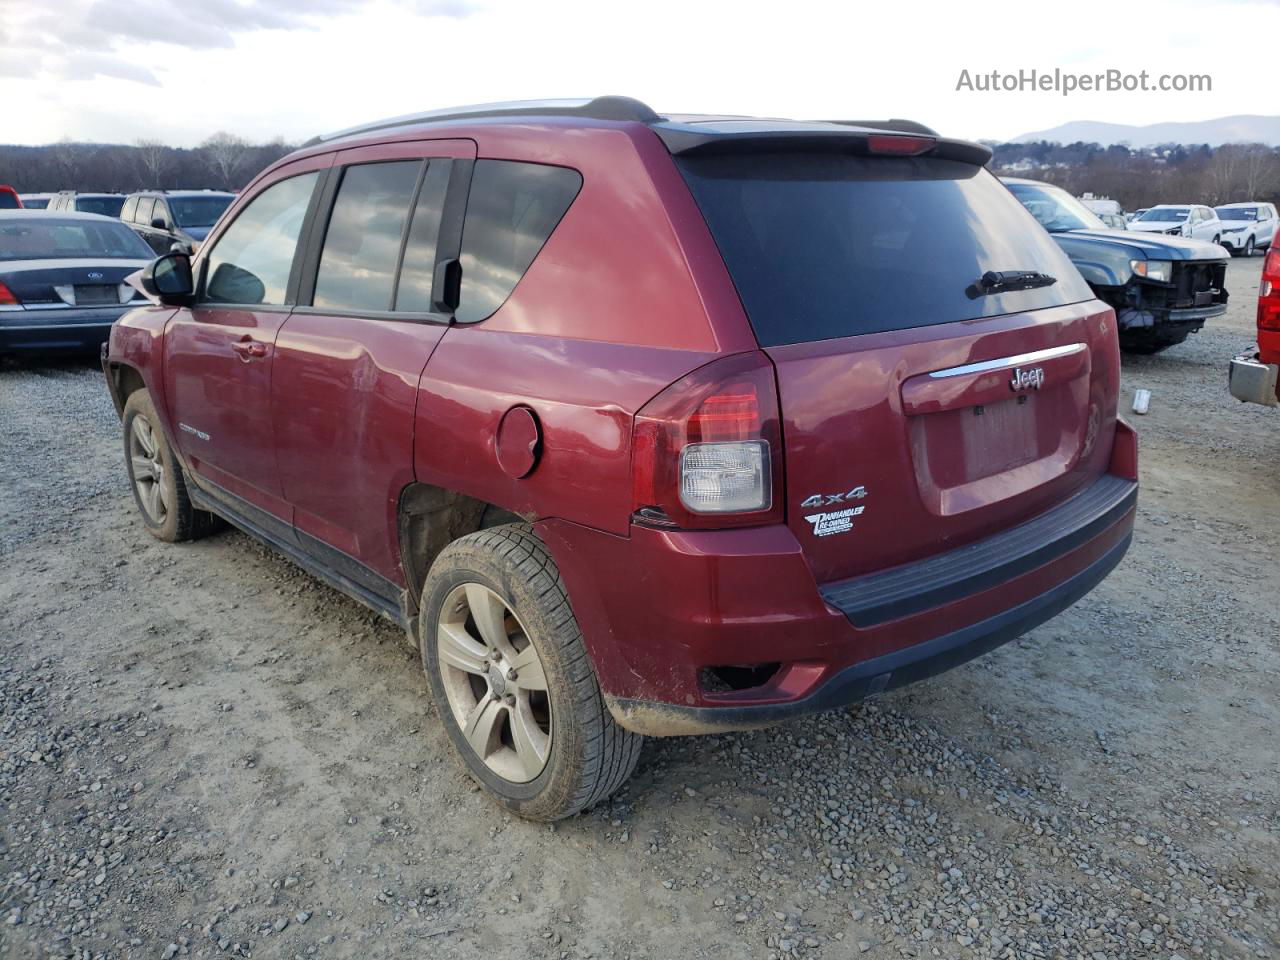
827,245
511,211
39,238
104,206
198,211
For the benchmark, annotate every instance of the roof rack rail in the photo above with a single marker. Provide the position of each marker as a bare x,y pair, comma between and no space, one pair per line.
897,125
599,108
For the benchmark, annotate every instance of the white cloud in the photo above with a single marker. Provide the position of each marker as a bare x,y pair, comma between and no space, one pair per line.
300,67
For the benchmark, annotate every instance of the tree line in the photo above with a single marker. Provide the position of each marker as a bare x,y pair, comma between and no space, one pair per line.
223,161
1172,173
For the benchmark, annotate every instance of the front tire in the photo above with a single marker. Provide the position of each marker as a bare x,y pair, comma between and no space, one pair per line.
156,478
1248,247
512,681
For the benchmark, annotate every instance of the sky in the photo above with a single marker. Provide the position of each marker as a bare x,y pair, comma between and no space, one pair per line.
178,70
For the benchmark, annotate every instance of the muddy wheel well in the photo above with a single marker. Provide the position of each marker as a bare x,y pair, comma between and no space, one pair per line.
430,518
127,380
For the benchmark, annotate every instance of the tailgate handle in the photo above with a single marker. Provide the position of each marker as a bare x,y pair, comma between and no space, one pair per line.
990,381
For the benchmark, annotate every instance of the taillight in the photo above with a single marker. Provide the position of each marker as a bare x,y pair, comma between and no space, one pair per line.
7,297
1269,293
900,146
707,451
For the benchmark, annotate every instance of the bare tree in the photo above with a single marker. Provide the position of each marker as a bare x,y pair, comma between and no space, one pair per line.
154,159
226,155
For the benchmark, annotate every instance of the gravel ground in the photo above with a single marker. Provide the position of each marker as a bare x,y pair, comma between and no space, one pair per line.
204,752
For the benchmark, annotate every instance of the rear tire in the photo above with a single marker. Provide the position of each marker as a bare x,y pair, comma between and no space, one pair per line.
156,478
505,659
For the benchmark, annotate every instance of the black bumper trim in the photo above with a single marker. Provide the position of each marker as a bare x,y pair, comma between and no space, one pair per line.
903,591
878,674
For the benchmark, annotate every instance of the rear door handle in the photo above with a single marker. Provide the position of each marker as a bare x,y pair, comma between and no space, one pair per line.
248,349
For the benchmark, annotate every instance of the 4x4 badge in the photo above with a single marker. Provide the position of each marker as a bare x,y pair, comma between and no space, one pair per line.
826,499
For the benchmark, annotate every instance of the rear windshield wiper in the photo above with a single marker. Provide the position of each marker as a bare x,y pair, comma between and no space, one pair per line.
1000,281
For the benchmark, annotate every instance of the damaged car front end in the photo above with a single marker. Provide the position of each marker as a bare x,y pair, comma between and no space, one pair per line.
1163,288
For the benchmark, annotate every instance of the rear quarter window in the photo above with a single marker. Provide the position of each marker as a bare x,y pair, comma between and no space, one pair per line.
512,210
821,246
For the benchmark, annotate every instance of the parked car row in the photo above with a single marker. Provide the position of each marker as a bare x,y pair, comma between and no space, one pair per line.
639,425
1242,228
166,219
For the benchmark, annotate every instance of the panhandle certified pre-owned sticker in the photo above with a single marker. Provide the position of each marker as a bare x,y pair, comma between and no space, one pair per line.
841,521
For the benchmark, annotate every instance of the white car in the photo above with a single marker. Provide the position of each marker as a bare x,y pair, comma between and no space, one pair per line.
1181,220
1247,226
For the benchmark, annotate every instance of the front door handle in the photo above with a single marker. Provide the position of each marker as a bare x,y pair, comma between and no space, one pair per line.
248,349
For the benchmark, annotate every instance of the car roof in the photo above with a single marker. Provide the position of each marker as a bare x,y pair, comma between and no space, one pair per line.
1243,203
1162,206
682,133
54,215
204,192
1038,183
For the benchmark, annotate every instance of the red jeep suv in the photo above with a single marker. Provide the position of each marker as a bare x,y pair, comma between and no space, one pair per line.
639,425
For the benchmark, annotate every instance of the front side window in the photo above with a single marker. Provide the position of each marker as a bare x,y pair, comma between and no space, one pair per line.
362,245
511,211
251,261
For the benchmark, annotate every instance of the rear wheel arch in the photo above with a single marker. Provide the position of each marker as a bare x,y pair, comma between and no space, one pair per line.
429,518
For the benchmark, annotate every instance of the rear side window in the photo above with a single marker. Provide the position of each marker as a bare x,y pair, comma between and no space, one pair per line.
511,211
252,259
828,245
129,209
145,206
362,245
8,201
413,294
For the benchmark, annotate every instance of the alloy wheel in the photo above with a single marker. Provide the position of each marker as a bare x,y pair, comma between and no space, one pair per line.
494,682
148,471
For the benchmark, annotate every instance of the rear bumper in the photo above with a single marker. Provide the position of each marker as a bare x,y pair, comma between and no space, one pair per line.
857,682
71,329
675,605
1253,381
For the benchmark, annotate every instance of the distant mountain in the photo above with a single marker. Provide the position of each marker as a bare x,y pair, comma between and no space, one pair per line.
1240,129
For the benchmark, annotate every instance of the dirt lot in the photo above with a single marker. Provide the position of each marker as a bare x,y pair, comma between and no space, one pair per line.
204,752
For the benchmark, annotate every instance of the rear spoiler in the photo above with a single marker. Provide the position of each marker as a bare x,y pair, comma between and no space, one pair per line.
824,137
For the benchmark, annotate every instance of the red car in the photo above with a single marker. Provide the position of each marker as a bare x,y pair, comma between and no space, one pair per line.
639,425
1253,377
9,199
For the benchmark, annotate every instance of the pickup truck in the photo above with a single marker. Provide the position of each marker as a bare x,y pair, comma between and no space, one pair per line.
1253,376
1163,288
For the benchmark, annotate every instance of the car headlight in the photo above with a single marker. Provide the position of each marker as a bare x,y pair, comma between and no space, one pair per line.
1176,231
1234,229
1161,270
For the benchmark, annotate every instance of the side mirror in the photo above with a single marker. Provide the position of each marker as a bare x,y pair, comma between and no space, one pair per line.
159,223
169,279
179,247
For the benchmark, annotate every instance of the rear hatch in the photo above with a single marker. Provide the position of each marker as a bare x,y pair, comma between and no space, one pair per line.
923,407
